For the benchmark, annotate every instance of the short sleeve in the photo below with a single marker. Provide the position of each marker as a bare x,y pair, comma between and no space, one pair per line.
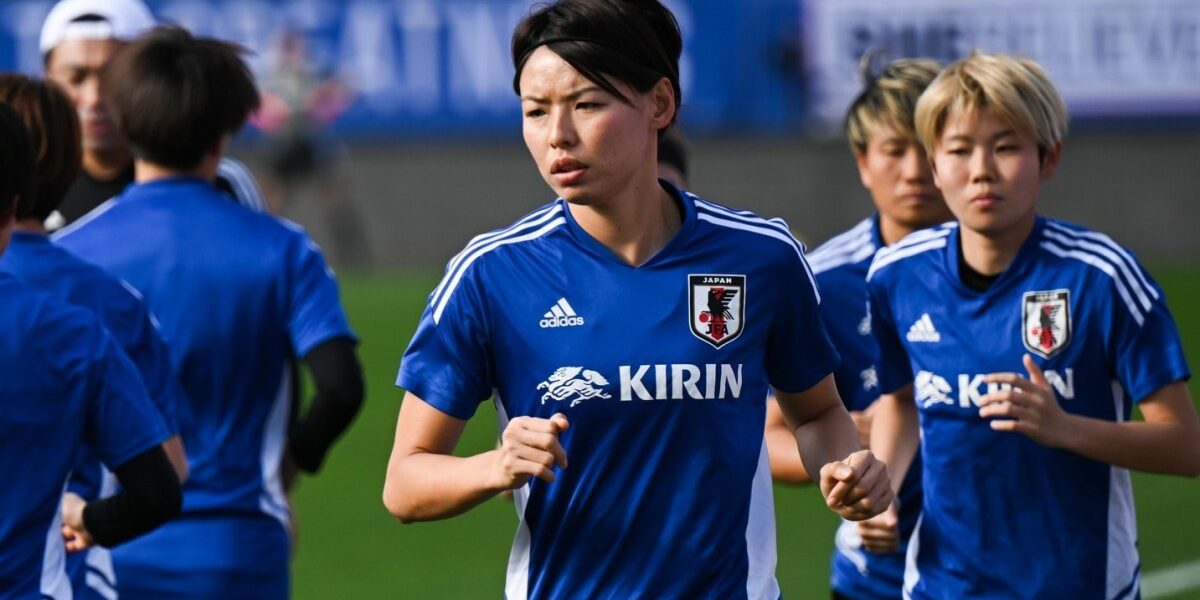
122,422
448,362
1143,344
316,311
891,359
799,351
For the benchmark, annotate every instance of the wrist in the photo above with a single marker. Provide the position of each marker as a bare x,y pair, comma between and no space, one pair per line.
1069,432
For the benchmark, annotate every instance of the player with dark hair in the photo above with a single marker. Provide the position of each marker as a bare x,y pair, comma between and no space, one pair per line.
237,293
893,168
1025,439
54,130
65,386
79,39
647,403
673,158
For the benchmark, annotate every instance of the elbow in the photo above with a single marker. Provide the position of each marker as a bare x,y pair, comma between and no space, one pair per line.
397,504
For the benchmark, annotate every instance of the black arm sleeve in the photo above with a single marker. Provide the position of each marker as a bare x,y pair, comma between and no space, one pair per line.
150,496
337,376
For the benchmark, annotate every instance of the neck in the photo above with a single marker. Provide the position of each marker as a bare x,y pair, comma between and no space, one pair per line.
891,231
106,165
635,225
30,226
991,253
145,172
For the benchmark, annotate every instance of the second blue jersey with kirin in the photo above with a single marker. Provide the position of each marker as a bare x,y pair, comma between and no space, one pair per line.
1004,516
840,266
662,371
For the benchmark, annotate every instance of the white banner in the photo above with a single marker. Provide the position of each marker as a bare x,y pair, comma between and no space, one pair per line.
1109,58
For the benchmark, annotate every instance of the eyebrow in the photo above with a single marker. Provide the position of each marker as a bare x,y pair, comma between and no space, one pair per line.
966,138
569,97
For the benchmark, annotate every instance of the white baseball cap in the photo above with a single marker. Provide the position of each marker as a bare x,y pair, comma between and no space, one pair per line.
115,19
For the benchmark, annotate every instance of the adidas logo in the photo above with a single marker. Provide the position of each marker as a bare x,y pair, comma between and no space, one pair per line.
560,315
923,331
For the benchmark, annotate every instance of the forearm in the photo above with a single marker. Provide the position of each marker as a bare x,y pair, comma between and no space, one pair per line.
786,466
827,437
177,457
1169,448
337,377
428,486
150,496
895,434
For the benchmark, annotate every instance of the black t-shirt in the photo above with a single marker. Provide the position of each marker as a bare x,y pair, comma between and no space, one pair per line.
88,192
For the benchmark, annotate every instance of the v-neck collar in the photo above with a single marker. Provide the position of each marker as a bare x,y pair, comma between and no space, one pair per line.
591,244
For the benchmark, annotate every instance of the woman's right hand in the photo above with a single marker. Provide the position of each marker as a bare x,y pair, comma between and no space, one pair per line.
529,447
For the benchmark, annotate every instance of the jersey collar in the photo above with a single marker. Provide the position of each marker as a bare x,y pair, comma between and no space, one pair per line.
161,186
1020,262
682,200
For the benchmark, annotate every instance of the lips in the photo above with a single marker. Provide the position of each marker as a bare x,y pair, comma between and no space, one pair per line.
566,165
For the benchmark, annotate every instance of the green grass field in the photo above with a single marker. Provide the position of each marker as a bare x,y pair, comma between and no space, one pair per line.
349,547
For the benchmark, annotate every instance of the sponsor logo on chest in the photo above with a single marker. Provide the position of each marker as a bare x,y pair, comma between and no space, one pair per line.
931,389
678,381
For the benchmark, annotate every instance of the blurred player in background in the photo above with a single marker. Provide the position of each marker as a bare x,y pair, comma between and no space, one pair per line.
79,39
628,333
54,132
237,294
1012,349
894,169
299,105
65,386
673,158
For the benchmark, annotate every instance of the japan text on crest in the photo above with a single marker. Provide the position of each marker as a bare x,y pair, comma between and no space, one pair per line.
717,307
1046,321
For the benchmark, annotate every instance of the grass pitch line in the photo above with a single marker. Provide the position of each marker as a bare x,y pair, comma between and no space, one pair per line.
1171,580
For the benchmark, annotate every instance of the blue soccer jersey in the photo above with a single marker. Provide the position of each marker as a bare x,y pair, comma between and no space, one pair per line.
1004,516
840,266
663,371
237,294
64,385
47,267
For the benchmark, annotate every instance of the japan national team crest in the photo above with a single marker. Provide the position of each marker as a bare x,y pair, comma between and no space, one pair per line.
1046,321
717,307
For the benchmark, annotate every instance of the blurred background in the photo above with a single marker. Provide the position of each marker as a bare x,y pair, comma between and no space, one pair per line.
391,131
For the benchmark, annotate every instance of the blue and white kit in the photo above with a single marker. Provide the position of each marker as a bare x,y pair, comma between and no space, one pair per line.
1004,516
840,266
663,372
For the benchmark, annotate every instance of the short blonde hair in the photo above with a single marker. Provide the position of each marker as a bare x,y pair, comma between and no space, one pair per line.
1016,90
888,98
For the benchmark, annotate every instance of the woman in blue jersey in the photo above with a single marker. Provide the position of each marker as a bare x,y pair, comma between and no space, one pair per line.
65,386
54,130
895,171
1022,343
628,333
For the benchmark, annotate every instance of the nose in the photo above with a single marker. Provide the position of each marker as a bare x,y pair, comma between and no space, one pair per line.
982,165
915,166
562,128
90,97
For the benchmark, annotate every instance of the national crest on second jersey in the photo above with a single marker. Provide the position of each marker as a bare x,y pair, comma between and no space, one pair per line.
717,307
1046,321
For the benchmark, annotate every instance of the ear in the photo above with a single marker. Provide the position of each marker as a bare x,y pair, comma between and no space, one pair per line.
662,103
1051,160
864,175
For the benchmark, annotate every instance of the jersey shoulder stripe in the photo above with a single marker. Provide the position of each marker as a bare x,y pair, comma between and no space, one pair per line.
744,221
81,222
1096,261
530,231
912,245
242,182
1121,256
851,247
534,218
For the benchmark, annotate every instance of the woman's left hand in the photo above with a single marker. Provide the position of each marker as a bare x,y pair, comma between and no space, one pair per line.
1028,406
75,534
857,487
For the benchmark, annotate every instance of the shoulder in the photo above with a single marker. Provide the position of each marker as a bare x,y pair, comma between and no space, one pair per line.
770,234
48,326
910,250
849,248
236,180
1111,265
82,223
489,246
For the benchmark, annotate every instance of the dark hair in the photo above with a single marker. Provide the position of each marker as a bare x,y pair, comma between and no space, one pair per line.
174,96
634,41
53,127
672,151
18,173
